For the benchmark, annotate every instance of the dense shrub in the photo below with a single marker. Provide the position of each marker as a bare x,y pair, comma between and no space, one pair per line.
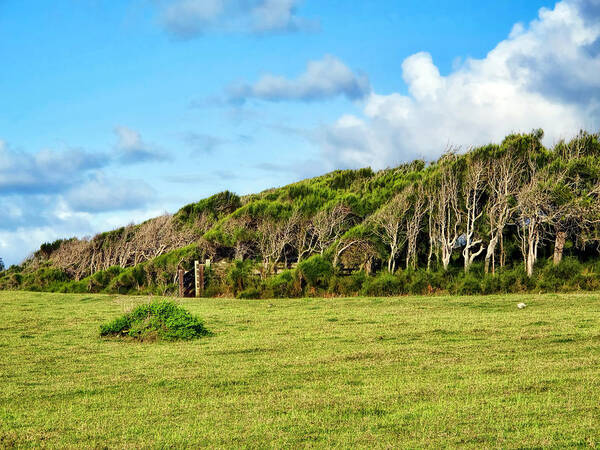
424,282
158,320
239,275
563,276
283,285
347,285
316,270
249,293
468,285
384,284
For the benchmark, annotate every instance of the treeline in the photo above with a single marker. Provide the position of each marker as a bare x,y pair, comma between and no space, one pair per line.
497,218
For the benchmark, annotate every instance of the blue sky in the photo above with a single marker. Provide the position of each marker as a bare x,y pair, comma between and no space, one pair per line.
112,112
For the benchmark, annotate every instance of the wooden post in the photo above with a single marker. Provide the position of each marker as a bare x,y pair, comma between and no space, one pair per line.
180,276
201,279
197,277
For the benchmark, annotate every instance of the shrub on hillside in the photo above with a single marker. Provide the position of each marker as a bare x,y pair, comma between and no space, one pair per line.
158,320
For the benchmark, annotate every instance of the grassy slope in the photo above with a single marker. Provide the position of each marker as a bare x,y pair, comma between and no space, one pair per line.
351,372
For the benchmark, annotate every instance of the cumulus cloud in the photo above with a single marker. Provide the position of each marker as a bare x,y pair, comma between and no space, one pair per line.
543,75
326,78
189,18
131,149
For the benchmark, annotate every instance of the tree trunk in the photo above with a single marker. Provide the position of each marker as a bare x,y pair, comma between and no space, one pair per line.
559,245
490,253
531,256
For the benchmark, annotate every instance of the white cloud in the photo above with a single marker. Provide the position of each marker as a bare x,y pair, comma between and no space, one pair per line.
544,75
189,18
326,78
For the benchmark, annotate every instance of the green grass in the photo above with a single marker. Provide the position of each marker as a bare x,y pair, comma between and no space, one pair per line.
411,371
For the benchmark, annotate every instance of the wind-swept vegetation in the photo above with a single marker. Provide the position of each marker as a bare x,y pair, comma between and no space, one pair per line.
509,217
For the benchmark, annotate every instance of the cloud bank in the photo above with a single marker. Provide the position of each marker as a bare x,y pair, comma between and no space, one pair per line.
49,194
544,75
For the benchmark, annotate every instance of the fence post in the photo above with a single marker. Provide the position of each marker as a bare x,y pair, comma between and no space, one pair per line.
197,277
201,279
180,276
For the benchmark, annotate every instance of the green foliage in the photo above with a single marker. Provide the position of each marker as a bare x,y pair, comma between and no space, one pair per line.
158,320
284,284
385,284
347,285
213,208
249,293
563,276
239,275
469,285
316,270
225,225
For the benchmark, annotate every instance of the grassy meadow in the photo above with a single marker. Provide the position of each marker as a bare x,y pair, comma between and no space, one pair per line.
362,372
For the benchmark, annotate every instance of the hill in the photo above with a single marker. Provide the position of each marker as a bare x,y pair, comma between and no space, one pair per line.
495,218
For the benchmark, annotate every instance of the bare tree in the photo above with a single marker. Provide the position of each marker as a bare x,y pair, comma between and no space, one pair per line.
329,225
273,236
447,216
536,210
305,239
413,223
388,226
504,175
472,191
344,244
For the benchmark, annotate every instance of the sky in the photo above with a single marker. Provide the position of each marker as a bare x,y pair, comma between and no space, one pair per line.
114,112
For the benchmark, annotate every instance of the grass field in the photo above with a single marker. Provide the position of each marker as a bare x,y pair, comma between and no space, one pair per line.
411,371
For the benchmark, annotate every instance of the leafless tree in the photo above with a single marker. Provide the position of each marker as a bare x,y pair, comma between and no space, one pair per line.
273,236
536,211
504,175
447,215
472,190
388,226
413,223
329,225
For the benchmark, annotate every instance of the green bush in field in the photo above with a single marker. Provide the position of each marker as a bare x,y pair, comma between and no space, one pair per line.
158,320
